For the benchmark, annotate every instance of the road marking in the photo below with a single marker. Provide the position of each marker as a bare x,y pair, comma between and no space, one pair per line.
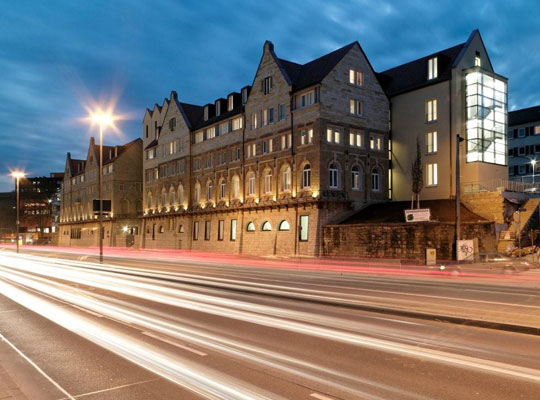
88,311
321,396
200,353
33,364
113,388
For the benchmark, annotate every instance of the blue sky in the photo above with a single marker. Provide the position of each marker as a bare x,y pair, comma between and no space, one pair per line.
57,56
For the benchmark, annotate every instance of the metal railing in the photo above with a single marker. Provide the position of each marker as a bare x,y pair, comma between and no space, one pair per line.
500,185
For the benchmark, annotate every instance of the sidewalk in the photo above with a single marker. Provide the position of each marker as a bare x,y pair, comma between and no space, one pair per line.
8,388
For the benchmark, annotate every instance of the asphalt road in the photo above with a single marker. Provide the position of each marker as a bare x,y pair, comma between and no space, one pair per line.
154,330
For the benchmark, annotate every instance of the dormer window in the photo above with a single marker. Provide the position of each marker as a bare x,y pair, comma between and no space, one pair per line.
230,103
477,60
206,113
244,95
433,70
266,84
218,108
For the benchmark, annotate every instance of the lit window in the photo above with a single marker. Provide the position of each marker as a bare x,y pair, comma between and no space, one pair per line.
254,121
233,230
197,194
286,141
266,226
304,226
375,142
284,226
250,227
306,176
230,104
477,61
356,139
433,71
431,142
431,175
356,77
333,135
237,123
268,182
251,184
355,178
306,136
333,171
286,179
235,190
431,110
222,189
209,188
537,130
356,107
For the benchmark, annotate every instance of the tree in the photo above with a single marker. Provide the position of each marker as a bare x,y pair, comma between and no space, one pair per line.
417,175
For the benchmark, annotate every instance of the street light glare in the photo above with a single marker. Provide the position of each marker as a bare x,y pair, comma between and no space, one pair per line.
18,174
102,118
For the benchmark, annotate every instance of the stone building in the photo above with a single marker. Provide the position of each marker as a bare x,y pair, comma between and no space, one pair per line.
524,145
262,170
122,185
434,98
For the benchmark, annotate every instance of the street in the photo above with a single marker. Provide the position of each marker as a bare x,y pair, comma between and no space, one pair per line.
153,329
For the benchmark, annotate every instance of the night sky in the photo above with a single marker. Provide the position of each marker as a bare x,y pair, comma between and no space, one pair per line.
59,57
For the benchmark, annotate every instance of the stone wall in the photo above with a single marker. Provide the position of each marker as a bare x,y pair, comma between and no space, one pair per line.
403,241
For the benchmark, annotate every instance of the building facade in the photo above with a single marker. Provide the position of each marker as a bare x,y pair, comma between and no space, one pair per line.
524,145
122,185
262,170
435,98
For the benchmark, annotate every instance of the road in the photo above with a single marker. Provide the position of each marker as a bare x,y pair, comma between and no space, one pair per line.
139,329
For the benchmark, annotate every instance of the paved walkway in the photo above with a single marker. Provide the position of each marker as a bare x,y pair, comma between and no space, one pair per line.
8,388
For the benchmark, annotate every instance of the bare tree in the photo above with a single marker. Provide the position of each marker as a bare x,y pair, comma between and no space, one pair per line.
417,175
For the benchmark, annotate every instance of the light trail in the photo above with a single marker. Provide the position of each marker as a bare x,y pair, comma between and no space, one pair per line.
38,274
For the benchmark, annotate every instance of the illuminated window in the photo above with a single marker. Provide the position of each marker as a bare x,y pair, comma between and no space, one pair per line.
209,189
356,178
356,139
333,135
180,194
235,187
254,121
306,136
537,130
431,142
230,103
268,182
433,71
431,175
356,77
304,228
251,184
197,193
356,107
286,179
233,230
477,61
376,142
266,226
306,176
222,189
431,110
250,227
284,226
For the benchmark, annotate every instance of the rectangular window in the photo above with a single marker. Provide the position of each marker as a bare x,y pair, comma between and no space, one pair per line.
537,130
267,146
224,128
333,135
306,136
230,103
431,142
431,175
195,230
356,77
521,132
233,230
221,228
281,112
264,119
356,139
172,124
286,141
270,115
356,107
267,84
206,230
244,95
304,228
251,150
375,142
307,99
254,121
237,123
477,61
433,71
267,183
431,110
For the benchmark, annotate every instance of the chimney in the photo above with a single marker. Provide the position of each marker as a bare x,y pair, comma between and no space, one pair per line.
174,96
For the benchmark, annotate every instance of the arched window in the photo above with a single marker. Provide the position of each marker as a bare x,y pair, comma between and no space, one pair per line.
267,182
149,199
250,227
180,228
172,196
235,189
222,189
161,229
356,178
286,179
251,184
375,180
180,194
333,178
163,197
197,193
284,225
209,189
266,226
306,176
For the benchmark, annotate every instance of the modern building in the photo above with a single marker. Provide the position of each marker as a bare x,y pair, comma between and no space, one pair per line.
435,98
122,186
524,145
262,170
40,207
8,205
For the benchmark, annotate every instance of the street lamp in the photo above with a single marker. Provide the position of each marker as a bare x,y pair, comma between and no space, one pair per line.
103,119
17,175
533,163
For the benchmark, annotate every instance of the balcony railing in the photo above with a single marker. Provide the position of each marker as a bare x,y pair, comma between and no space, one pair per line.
500,185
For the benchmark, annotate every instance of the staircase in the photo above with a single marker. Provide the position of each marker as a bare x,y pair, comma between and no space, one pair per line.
529,220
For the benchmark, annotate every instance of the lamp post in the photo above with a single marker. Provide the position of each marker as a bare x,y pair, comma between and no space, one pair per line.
17,175
103,119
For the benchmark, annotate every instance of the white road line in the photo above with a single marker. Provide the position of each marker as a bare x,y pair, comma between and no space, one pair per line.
113,388
88,311
321,396
33,364
200,353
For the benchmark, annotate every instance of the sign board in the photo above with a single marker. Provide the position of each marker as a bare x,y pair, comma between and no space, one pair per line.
418,215
431,256
465,250
106,206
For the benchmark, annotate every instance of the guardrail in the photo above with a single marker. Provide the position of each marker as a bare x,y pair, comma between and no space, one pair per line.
500,185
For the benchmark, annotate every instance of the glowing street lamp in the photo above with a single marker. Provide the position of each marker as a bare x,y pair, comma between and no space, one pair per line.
103,119
533,163
17,175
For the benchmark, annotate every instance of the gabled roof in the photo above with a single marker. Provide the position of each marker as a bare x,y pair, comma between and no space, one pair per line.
76,166
153,143
413,75
524,116
192,113
313,72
